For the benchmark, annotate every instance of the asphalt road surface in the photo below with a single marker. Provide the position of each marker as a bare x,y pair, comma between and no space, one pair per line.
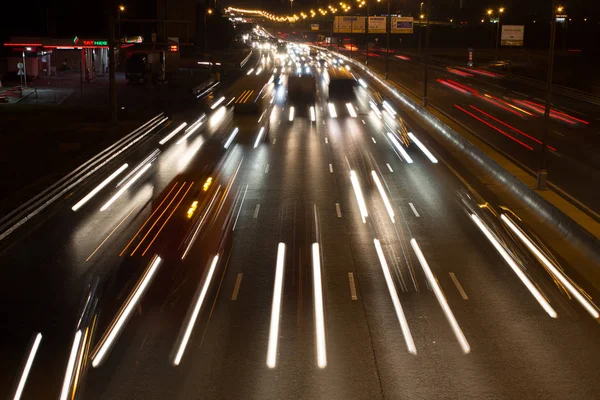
253,235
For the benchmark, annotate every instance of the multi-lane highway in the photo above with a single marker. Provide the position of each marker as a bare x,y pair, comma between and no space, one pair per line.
290,257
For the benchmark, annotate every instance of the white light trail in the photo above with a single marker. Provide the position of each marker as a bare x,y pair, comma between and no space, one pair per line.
564,280
386,201
319,311
196,311
98,188
526,281
64,393
192,129
258,71
231,137
351,110
291,117
216,103
313,116
424,149
189,155
125,187
276,307
28,364
362,83
389,108
359,196
408,339
125,313
399,147
375,109
175,132
462,340
260,133
250,71
332,112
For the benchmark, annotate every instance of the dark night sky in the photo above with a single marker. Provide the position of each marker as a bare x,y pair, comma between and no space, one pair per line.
89,18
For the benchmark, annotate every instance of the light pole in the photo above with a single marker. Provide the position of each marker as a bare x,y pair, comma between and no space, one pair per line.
426,67
542,174
388,28
119,11
421,12
490,12
291,7
207,12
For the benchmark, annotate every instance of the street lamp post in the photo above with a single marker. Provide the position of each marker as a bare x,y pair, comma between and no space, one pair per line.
388,27
291,7
426,55
542,174
207,12
119,11
490,12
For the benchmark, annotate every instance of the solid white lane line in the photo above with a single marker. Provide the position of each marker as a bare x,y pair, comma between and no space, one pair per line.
267,169
389,167
319,312
414,209
373,139
462,292
28,364
410,344
338,210
331,168
64,393
196,310
564,280
236,288
240,209
98,188
520,274
462,340
353,295
256,210
276,307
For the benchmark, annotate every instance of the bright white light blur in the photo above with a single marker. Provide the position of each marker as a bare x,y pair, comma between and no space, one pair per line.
564,280
259,70
196,311
217,117
332,112
528,284
386,201
319,313
313,116
276,307
125,187
259,137
389,108
359,196
362,83
424,149
170,135
408,339
291,117
399,147
375,109
123,317
190,130
189,155
274,70
250,71
64,393
351,110
98,188
462,340
216,103
230,139
28,364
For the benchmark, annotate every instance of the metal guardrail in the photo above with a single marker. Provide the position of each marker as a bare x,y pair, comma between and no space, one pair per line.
29,209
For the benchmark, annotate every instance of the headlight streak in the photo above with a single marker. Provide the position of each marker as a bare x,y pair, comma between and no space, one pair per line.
189,155
332,112
258,137
386,201
351,110
462,340
408,339
125,312
27,368
319,310
424,149
362,83
375,109
149,159
557,273
125,187
216,103
170,135
64,393
526,281
276,307
291,116
231,137
313,116
195,312
98,188
251,70
200,223
359,196
399,147
389,108
191,130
